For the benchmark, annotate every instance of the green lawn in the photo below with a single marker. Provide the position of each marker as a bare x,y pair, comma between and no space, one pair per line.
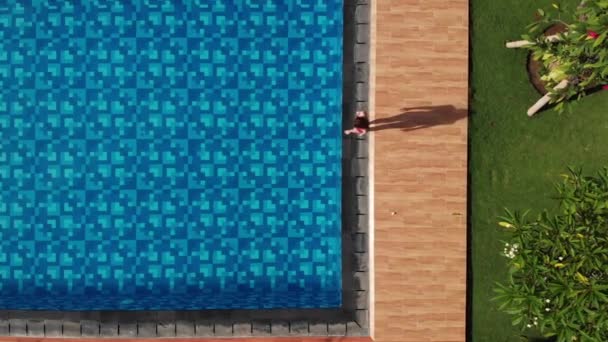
514,159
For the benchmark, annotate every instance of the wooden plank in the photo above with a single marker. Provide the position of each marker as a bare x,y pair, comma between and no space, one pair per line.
420,97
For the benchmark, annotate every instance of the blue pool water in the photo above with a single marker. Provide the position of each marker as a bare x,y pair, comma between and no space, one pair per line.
170,154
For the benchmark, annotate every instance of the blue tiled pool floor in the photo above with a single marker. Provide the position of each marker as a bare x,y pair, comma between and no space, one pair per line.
170,154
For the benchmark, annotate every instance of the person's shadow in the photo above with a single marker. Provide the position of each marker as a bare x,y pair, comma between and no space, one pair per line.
420,117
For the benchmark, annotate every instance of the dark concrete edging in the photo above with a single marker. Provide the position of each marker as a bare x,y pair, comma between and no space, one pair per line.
352,319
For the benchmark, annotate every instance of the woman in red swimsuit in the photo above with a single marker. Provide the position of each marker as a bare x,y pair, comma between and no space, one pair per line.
360,126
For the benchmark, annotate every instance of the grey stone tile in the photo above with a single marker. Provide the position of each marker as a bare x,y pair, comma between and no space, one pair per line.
362,33
127,329
146,329
360,242
362,185
71,329
167,328
336,329
184,323
361,54
362,205
361,281
362,90
362,14
53,328
362,72
299,328
362,137
260,328
184,328
108,329
35,328
362,317
53,323
362,105
71,324
358,167
361,299
362,149
4,331
165,323
108,326
318,328
241,329
361,262
354,329
17,327
362,223
204,328
126,322
223,329
89,328
280,328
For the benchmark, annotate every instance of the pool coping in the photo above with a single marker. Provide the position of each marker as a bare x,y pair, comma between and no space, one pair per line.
352,319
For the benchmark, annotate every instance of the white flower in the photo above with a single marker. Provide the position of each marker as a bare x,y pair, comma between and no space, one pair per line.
535,322
535,319
516,245
547,300
561,258
547,309
529,325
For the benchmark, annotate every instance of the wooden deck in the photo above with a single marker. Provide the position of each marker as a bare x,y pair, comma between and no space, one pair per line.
420,138
419,102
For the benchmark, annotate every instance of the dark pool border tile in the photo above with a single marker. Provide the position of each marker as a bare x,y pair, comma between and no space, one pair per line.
352,319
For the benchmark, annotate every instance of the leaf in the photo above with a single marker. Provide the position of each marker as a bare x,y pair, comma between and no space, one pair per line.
600,39
556,6
559,265
506,225
541,12
582,278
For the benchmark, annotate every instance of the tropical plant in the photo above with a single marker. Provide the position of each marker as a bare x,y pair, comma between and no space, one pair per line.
558,263
578,55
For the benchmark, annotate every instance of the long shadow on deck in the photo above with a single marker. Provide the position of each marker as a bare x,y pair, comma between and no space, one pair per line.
414,118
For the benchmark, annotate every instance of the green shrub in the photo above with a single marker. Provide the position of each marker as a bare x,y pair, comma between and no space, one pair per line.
558,264
581,55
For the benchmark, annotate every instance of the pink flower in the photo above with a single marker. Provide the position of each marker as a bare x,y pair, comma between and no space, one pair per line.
605,87
592,34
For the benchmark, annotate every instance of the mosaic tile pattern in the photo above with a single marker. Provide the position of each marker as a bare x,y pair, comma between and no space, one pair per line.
170,154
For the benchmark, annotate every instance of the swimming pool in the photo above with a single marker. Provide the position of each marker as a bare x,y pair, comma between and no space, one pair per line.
170,155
